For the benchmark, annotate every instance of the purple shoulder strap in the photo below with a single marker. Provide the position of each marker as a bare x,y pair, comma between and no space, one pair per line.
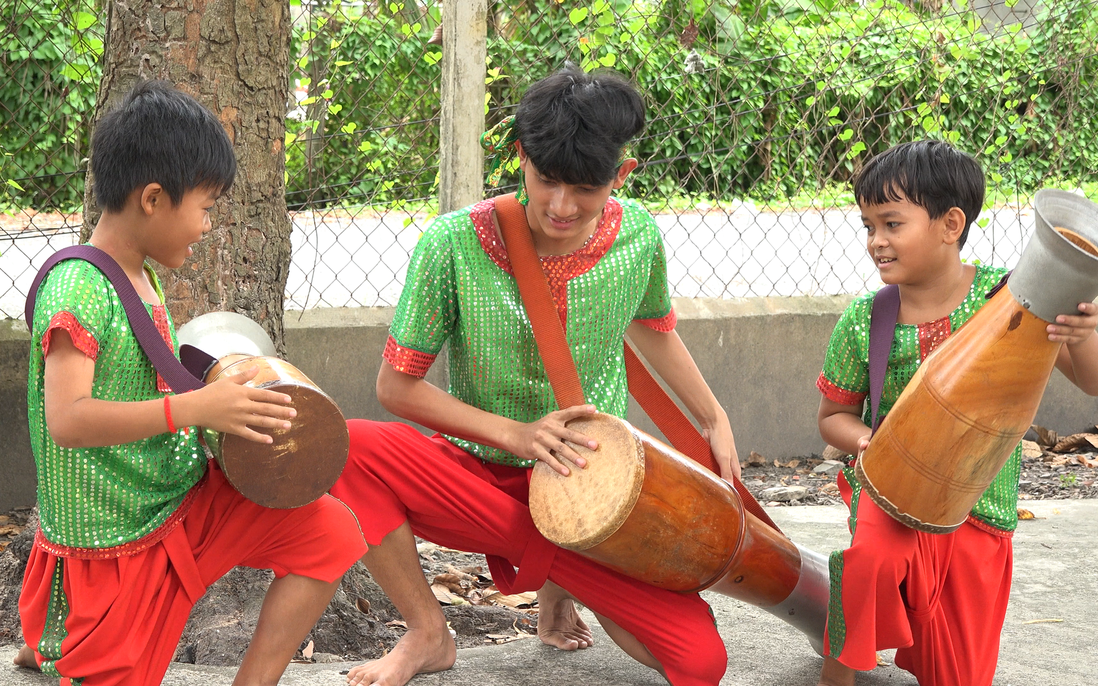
882,329
163,360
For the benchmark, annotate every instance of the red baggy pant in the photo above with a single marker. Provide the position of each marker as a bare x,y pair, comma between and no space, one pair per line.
940,599
126,614
395,474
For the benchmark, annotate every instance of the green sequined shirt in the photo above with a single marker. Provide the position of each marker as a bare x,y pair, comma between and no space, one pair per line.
845,379
113,500
460,291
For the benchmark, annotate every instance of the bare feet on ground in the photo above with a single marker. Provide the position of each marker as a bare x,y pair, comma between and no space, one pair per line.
834,673
418,652
25,658
559,623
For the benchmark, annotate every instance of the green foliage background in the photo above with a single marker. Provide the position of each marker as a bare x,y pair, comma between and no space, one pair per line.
771,99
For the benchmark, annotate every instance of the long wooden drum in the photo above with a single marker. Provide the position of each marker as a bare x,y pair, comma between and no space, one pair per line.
303,461
962,414
644,509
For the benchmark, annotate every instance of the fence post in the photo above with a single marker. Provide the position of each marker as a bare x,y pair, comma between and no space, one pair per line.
464,49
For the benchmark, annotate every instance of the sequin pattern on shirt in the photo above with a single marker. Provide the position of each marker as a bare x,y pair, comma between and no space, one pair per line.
459,291
845,376
104,497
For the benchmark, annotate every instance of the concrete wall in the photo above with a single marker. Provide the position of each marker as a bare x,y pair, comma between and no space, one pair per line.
760,355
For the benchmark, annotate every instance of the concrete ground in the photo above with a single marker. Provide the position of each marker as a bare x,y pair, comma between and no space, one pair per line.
1047,639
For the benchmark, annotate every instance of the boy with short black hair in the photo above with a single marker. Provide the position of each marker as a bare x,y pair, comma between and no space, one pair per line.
467,487
939,598
135,524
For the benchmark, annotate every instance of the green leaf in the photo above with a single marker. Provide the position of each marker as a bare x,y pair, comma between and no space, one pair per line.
432,57
308,101
577,15
608,60
982,223
14,185
327,95
83,20
349,127
846,135
335,109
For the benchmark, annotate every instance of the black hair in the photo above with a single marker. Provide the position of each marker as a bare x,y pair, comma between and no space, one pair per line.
573,125
932,174
159,135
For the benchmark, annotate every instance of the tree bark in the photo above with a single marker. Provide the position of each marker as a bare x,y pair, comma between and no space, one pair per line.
232,56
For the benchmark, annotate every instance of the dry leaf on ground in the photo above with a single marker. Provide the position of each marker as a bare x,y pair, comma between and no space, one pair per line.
833,453
1030,450
1025,514
755,458
1045,437
1075,442
519,600
444,596
363,605
450,581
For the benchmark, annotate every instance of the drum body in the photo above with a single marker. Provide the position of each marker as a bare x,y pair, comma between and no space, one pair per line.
303,461
960,417
644,509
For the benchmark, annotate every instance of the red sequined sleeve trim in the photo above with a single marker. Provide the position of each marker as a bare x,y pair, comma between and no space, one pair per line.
83,340
838,395
665,323
407,360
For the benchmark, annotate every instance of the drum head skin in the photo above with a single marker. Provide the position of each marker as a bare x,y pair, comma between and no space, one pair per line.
305,460
583,509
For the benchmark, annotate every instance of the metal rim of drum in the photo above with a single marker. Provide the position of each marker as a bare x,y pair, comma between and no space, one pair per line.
566,510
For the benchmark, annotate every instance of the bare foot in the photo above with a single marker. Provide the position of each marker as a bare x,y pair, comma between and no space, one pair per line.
835,673
418,652
559,624
25,658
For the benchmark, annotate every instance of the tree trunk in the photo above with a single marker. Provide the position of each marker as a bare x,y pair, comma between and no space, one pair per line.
232,55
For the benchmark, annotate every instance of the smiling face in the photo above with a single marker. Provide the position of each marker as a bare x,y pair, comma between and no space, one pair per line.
907,246
563,216
173,229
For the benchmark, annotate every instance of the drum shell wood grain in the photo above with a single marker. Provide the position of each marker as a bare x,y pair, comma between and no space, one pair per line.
684,529
305,460
960,417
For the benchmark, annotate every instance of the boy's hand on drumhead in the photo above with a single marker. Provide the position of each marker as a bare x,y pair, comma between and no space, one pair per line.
1074,329
549,440
228,406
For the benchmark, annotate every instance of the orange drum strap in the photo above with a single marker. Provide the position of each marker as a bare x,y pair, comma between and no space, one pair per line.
678,429
561,368
538,301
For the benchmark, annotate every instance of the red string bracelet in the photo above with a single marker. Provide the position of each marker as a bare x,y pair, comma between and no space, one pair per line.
168,414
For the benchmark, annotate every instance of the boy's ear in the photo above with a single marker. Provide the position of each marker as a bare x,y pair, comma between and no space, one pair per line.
624,171
151,196
953,225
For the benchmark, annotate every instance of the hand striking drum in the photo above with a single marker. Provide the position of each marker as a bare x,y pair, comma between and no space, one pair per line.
302,462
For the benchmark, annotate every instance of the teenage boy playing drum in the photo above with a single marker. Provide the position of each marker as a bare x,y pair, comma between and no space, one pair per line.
134,523
467,487
939,598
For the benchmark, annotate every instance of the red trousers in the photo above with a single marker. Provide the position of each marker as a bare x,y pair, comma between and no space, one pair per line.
939,598
125,615
395,474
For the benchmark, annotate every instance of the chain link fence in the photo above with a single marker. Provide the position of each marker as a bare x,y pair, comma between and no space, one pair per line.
759,113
